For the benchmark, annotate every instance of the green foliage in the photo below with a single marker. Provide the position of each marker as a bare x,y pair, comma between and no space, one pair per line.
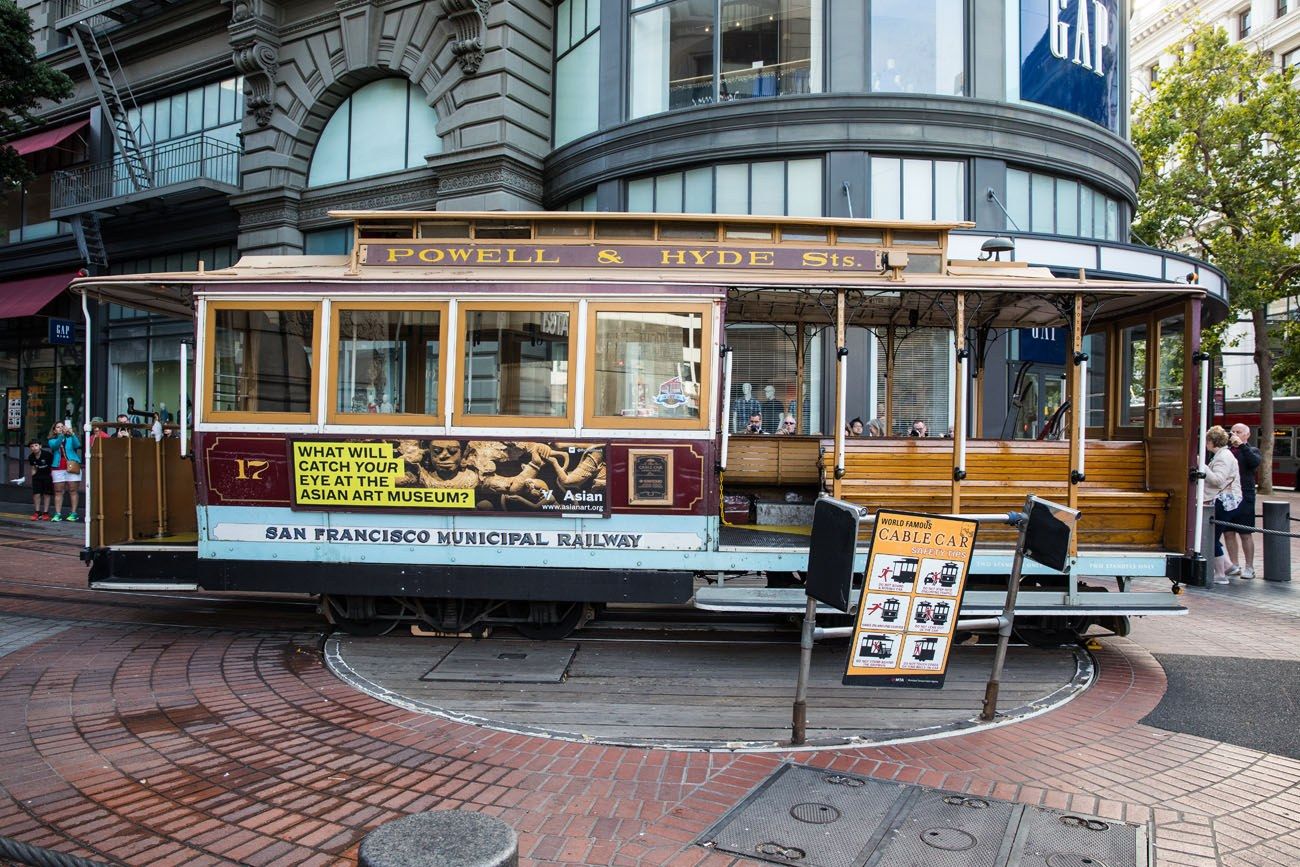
1219,139
24,82
1286,370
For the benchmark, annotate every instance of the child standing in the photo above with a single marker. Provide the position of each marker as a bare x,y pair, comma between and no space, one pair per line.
40,462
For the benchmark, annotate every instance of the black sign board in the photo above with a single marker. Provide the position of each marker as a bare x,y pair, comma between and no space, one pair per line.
830,551
62,332
1047,537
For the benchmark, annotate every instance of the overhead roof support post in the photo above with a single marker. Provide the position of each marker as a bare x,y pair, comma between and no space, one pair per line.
959,405
841,389
1078,417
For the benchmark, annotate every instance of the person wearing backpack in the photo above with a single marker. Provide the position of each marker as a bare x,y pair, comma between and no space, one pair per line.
66,448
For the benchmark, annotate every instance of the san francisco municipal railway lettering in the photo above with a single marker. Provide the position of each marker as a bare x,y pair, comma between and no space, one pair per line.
492,538
578,256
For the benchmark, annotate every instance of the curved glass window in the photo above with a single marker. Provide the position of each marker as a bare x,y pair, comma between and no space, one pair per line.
1056,206
783,188
907,189
918,46
696,52
577,69
349,146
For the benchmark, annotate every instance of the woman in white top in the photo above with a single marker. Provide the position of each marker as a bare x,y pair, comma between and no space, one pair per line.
1223,489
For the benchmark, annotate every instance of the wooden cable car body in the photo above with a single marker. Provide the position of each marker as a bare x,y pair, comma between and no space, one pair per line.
479,418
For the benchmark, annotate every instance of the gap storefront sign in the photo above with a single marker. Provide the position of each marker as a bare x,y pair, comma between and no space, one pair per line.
1069,57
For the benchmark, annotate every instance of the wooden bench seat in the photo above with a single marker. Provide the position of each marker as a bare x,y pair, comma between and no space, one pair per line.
915,475
773,460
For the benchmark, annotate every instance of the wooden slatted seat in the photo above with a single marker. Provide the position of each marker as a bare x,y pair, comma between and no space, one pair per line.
915,475
773,460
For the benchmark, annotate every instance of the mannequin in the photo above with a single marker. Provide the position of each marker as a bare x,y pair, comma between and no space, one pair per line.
773,409
744,408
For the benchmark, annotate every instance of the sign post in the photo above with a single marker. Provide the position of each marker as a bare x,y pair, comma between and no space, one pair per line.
1045,530
830,574
908,612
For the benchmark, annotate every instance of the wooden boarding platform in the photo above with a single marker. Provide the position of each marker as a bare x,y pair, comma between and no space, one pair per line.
721,694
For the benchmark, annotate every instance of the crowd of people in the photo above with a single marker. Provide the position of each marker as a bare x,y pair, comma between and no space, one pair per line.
1230,491
54,465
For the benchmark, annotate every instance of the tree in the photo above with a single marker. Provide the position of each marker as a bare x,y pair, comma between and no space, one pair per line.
24,82
1218,137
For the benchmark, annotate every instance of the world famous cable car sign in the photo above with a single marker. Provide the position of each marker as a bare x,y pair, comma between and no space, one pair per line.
915,578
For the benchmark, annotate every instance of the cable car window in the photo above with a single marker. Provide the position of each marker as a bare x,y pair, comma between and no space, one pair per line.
1169,373
516,362
387,361
1095,346
262,360
1133,379
648,364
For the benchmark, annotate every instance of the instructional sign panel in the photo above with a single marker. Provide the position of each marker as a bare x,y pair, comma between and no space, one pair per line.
911,595
480,476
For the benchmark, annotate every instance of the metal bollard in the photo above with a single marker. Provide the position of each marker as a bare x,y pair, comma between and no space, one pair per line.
450,838
1277,548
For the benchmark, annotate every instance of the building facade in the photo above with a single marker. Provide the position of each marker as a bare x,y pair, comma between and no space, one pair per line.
1269,26
200,132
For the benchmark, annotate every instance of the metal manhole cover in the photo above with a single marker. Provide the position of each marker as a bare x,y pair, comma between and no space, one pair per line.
793,818
948,839
815,814
504,662
1071,859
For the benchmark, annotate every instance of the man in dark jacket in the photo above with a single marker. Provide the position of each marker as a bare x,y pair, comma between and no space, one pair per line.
1248,461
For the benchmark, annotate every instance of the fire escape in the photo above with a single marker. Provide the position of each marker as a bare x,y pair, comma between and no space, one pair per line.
87,194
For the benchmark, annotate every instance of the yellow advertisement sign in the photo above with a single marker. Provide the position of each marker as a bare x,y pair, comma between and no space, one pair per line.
911,595
364,475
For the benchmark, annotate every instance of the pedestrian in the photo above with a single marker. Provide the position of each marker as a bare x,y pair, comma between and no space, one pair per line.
755,425
919,429
156,429
788,426
66,449
1248,461
854,427
876,427
123,425
40,473
97,431
1222,492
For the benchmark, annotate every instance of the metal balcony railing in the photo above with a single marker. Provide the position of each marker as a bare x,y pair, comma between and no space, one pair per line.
167,166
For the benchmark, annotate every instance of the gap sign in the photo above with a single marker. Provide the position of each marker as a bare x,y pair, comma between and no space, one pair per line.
62,332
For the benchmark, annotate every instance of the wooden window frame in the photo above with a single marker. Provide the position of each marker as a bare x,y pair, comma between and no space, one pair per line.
211,414
333,416
706,310
1174,311
1121,428
460,417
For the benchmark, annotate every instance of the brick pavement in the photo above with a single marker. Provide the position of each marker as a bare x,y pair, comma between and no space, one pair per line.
144,744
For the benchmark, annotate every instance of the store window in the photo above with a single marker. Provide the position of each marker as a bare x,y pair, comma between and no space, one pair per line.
577,69
387,362
516,363
763,48
791,188
1169,373
921,387
349,146
261,361
1133,376
1243,24
768,378
918,46
1057,206
917,189
648,364
25,208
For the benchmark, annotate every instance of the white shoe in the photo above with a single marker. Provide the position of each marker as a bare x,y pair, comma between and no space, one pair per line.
1234,569
1223,580
1248,572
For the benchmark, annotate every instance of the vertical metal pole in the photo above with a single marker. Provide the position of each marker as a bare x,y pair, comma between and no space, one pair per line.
1198,539
1005,621
959,410
799,724
1277,549
85,405
726,406
841,390
185,397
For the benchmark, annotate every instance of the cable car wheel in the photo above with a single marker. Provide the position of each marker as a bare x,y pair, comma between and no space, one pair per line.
362,616
551,621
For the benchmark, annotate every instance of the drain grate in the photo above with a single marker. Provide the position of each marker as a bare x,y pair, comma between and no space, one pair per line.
505,662
810,816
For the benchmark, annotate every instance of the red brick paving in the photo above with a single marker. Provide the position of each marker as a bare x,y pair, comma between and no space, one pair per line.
153,745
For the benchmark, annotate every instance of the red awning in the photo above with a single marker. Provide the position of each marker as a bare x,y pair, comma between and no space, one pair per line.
45,140
25,297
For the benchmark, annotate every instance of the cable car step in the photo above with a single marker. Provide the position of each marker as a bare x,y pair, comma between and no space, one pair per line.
140,585
976,603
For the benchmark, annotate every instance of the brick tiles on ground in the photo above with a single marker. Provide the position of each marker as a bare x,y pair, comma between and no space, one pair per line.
150,745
